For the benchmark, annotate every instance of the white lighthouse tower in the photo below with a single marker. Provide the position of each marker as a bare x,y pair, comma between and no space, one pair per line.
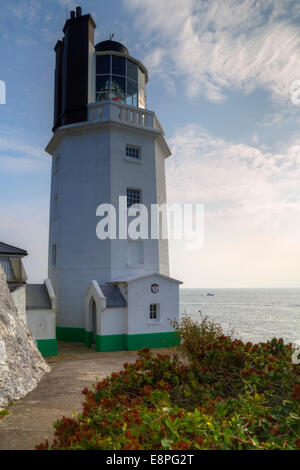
115,293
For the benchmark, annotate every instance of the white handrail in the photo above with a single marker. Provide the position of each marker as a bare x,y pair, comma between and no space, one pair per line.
119,112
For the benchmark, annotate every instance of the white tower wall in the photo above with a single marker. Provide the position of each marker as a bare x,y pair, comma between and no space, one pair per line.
90,168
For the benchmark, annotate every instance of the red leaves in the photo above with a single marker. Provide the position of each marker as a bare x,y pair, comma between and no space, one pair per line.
181,445
296,394
160,397
162,385
44,446
275,430
147,390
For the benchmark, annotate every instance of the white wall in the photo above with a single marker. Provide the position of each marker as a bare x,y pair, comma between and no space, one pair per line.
139,299
82,183
94,293
163,245
114,321
140,175
19,298
42,324
92,169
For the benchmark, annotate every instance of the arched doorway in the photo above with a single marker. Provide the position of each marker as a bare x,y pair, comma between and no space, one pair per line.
93,319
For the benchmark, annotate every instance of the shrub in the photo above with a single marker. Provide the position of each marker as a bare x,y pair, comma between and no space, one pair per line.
221,394
3,413
231,367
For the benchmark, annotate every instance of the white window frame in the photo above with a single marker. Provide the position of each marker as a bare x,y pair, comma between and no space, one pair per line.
133,159
155,319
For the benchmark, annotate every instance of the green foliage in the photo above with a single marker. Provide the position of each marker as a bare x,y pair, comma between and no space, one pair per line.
3,413
222,394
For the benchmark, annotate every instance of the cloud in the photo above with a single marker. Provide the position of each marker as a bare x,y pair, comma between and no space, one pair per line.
235,179
22,165
26,226
216,46
252,209
28,11
19,153
70,4
24,218
27,42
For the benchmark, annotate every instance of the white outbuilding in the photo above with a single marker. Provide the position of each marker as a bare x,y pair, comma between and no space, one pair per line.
132,312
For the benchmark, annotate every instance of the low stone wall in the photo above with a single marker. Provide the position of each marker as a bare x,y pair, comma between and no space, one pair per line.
42,324
21,364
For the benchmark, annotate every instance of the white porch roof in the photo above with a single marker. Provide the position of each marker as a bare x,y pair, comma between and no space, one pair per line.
138,277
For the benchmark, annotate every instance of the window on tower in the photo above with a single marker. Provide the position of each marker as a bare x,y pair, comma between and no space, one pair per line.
133,153
133,196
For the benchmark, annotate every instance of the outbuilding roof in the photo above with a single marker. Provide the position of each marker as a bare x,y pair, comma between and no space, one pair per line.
6,249
137,277
37,297
114,297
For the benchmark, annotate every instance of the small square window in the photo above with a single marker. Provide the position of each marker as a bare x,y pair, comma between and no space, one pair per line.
133,152
154,312
133,196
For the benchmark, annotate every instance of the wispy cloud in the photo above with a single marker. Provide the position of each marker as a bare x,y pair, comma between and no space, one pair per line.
216,46
26,11
239,184
252,210
22,165
19,154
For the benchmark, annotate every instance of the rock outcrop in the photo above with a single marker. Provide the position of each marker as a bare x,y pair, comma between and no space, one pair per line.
21,364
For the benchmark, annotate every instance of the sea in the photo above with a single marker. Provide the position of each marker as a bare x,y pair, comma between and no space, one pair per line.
255,314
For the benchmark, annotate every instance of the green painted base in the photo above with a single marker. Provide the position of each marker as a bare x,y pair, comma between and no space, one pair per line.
47,347
70,334
110,343
118,342
135,342
152,340
88,338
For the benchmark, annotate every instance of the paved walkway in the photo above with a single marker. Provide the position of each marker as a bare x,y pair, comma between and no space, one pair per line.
31,419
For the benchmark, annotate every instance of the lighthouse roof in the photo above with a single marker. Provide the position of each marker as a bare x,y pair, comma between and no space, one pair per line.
109,45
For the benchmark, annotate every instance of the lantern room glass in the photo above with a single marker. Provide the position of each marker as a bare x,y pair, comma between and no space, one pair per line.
120,79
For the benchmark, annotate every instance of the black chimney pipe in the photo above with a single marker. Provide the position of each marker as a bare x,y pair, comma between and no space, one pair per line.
72,15
79,33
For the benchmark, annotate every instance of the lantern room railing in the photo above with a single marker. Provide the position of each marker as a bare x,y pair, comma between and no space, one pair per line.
123,114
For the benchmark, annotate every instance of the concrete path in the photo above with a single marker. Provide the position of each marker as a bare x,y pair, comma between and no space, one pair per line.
31,419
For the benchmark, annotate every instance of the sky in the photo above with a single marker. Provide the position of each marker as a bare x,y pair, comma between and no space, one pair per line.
223,83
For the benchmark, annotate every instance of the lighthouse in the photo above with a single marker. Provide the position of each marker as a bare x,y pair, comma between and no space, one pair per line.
116,292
